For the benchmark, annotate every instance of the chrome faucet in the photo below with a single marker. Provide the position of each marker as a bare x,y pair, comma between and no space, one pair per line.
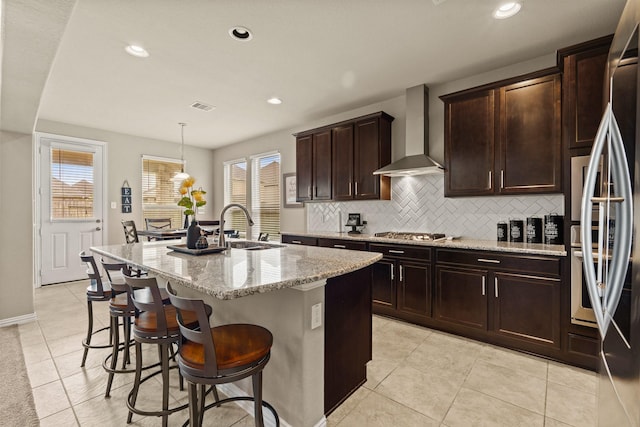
221,238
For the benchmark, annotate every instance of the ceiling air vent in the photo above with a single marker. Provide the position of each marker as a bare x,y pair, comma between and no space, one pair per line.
202,106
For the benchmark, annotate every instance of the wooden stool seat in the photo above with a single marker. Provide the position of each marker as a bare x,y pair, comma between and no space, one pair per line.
120,302
236,346
147,321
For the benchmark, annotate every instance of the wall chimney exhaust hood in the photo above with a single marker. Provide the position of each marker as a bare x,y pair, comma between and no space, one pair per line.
417,160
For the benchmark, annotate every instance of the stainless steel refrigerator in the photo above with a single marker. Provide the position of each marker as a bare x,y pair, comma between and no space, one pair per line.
612,273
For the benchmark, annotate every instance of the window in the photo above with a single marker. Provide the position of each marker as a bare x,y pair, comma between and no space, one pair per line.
159,194
235,191
265,193
71,184
263,200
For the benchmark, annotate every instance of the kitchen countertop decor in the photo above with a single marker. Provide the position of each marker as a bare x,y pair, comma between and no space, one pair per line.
458,243
238,272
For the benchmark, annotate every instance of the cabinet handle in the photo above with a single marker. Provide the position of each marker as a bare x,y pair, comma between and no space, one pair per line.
490,181
315,190
491,261
297,242
356,188
395,251
502,178
401,273
350,186
309,191
392,275
340,246
484,285
495,284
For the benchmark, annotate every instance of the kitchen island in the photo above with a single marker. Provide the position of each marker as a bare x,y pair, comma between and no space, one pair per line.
277,288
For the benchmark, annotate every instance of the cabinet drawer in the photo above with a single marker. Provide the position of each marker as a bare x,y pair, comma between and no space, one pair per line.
299,240
398,251
343,244
522,263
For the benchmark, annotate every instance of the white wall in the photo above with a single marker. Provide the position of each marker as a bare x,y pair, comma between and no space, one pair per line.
16,247
124,153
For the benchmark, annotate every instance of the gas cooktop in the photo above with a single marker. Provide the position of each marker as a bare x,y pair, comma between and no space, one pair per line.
402,235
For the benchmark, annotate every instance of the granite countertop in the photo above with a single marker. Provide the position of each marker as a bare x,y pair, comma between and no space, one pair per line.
482,245
236,273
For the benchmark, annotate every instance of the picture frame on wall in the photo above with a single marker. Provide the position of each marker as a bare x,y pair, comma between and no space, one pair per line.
289,191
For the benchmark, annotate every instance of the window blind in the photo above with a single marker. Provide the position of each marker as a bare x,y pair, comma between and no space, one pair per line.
72,188
235,191
265,194
160,195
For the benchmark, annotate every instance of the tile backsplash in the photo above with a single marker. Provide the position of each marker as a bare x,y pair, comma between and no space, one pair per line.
418,204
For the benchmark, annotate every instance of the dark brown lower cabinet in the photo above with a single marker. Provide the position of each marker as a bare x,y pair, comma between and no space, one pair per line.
461,297
510,300
347,338
402,282
527,308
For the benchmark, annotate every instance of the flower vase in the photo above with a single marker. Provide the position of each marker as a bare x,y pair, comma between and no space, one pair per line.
193,234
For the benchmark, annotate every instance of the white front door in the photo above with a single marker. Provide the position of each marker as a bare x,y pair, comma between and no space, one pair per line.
71,205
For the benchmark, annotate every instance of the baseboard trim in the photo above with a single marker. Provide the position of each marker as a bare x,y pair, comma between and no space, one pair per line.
18,320
233,390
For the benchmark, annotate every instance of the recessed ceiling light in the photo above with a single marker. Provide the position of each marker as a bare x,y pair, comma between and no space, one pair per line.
241,34
274,101
136,50
507,10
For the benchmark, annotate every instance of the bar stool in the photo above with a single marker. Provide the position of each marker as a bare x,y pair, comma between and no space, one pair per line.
120,307
96,292
219,355
154,323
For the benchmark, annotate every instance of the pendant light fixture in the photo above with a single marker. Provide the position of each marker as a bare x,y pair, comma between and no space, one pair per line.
182,174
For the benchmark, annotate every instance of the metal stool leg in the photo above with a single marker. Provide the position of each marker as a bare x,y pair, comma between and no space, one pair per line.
87,340
136,381
195,419
115,333
164,360
257,396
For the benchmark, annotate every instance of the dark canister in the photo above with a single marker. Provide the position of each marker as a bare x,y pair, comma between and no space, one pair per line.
534,229
503,231
553,225
516,232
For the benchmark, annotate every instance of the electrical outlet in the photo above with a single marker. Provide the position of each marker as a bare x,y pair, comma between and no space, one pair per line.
114,205
316,315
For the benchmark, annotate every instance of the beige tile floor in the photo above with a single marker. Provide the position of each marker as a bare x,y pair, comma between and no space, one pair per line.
418,377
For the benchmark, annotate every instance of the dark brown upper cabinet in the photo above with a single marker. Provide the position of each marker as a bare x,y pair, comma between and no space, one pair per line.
337,162
313,166
469,146
529,158
583,73
504,138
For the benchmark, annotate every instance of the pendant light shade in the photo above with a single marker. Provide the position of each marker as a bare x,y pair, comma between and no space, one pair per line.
182,174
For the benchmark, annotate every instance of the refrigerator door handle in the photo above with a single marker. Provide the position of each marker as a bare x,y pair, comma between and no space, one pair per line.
604,292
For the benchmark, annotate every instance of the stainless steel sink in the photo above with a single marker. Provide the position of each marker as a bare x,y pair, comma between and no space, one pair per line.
253,246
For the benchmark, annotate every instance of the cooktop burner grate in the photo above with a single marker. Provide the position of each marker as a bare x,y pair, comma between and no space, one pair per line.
401,235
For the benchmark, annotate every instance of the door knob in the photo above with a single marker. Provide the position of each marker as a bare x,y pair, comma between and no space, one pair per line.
98,228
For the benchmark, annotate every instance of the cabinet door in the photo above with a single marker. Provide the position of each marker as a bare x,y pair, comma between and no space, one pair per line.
367,159
384,288
342,142
530,142
582,105
526,308
304,168
322,165
414,288
469,145
299,240
461,297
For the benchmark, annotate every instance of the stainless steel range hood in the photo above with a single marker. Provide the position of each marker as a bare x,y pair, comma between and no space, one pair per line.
417,160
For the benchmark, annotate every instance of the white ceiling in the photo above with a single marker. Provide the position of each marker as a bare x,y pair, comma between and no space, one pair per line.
320,57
